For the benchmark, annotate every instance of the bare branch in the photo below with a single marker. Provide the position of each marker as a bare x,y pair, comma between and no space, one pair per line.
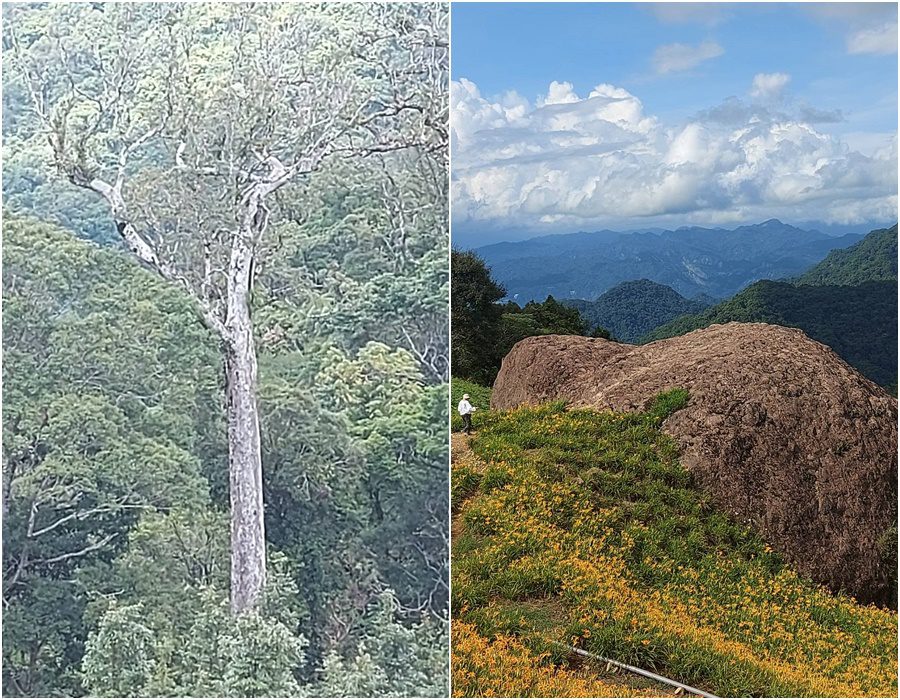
100,544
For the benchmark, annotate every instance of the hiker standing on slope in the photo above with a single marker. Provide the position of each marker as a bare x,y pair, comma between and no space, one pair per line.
466,410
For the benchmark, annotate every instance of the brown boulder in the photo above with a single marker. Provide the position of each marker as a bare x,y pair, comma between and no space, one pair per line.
781,432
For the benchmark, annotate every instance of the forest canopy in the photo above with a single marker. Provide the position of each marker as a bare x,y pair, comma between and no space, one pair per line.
485,330
118,556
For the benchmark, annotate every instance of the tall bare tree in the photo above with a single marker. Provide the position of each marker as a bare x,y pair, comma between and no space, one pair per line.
191,122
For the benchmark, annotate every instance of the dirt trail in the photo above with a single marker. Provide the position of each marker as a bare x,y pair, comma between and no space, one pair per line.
459,446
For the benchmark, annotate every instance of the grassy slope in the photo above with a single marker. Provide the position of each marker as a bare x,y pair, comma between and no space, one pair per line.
583,527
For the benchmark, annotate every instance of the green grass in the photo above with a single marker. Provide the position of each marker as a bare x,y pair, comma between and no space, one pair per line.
584,526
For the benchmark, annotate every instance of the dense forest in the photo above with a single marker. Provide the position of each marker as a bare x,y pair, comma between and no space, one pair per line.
873,259
848,302
484,330
201,245
630,310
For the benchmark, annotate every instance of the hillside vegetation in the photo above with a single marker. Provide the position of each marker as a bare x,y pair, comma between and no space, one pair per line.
583,527
848,302
116,533
630,310
484,330
859,323
874,258
225,351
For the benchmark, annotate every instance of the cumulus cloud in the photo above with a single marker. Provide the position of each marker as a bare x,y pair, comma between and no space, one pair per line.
672,58
769,85
559,94
571,160
473,113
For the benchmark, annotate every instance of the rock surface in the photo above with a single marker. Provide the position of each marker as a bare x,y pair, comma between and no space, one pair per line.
781,432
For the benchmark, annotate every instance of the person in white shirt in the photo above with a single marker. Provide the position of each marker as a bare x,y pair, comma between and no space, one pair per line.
466,410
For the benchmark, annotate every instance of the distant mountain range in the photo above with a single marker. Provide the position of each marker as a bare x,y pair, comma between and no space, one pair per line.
631,310
692,261
848,301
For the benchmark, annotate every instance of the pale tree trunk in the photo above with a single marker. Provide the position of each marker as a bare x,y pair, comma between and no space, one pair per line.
248,539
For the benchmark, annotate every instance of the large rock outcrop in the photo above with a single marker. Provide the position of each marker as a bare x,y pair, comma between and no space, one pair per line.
781,432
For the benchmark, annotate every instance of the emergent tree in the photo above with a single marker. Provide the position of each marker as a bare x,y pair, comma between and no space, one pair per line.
189,121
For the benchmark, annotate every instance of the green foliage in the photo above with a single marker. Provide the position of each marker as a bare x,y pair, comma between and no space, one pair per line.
553,317
873,259
391,659
484,331
109,397
354,440
630,310
541,318
120,659
475,318
114,429
251,655
400,425
353,397
666,403
859,323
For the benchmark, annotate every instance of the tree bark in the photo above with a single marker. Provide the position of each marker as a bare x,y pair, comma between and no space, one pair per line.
248,537
248,540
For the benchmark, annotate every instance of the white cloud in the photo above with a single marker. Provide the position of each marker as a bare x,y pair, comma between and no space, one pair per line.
559,94
769,85
570,161
870,27
672,58
473,113
880,40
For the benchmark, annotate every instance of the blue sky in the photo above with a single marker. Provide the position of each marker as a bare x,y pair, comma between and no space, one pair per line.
825,75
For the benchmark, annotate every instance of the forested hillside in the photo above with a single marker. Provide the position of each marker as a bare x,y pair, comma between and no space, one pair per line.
848,302
630,310
116,492
859,323
239,288
874,258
